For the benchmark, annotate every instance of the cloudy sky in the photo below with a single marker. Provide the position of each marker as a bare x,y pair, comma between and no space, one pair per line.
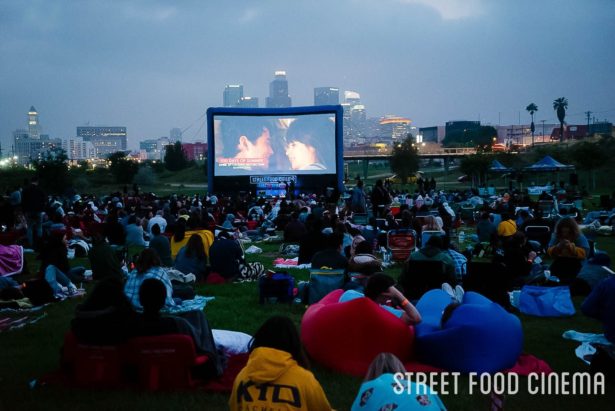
151,65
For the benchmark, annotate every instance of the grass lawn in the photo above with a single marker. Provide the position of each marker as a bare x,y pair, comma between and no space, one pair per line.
30,352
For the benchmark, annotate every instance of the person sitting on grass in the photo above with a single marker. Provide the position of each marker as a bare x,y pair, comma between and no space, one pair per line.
380,288
192,258
434,251
568,248
331,256
277,374
380,389
147,266
106,316
161,244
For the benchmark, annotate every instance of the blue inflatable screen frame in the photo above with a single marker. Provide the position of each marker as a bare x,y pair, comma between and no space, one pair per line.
315,182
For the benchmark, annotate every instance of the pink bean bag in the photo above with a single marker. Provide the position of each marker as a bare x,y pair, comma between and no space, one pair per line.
347,336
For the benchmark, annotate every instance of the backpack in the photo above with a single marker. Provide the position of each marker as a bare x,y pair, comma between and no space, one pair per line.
276,287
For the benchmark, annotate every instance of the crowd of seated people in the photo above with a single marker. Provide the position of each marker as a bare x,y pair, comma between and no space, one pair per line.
170,230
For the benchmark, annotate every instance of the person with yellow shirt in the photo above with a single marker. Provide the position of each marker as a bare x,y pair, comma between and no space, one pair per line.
276,377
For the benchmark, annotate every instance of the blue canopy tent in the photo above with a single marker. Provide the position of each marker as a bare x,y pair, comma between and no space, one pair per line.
497,167
548,164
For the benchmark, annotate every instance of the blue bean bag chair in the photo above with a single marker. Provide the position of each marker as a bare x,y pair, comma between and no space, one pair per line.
480,336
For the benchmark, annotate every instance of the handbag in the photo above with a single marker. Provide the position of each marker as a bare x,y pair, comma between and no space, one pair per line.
322,282
546,301
278,287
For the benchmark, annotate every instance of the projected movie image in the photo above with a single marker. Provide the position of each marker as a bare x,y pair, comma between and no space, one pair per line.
266,145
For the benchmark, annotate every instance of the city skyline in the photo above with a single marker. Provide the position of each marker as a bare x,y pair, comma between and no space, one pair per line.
154,65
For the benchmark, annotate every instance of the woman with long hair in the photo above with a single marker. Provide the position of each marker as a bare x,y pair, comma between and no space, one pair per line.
568,248
386,388
277,375
192,258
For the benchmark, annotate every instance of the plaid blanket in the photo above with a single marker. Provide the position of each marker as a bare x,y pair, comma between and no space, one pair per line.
197,304
12,322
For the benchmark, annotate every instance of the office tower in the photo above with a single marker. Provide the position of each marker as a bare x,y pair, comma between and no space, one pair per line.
278,91
76,149
232,94
33,126
394,127
251,102
175,134
106,140
326,96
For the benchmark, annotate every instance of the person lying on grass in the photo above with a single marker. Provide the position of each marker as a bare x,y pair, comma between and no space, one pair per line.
380,288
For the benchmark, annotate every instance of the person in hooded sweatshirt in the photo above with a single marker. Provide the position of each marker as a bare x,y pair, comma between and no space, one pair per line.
276,375
434,251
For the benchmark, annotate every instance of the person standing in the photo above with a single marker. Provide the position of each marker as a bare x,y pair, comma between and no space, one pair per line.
380,199
33,201
357,202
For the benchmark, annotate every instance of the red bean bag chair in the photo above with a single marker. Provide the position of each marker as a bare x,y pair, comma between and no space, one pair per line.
347,336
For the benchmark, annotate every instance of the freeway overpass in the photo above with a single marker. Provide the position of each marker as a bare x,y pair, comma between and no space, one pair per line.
370,153
366,154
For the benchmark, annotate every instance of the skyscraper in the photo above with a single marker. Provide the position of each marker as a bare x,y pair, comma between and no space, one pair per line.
33,125
232,94
175,134
278,91
106,140
326,96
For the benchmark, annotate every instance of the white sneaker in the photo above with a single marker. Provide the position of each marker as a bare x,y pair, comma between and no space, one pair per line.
459,292
446,287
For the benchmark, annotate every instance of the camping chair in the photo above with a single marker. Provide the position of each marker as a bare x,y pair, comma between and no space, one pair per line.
401,242
489,279
165,362
360,218
546,206
419,276
540,233
93,366
322,282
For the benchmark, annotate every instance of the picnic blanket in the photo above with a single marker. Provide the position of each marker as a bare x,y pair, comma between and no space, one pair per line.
289,263
11,259
197,304
13,322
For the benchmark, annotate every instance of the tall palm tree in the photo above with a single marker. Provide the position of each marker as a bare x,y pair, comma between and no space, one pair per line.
560,105
532,108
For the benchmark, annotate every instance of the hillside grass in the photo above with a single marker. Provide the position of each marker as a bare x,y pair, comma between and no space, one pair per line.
31,352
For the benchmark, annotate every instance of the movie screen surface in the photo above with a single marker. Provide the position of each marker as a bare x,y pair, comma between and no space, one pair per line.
274,144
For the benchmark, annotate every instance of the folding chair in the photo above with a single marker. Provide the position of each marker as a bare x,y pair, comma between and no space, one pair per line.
401,242
322,282
546,206
165,362
360,218
93,366
540,233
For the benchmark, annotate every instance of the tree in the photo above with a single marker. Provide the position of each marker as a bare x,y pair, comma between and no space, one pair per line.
122,168
404,160
532,108
175,157
52,171
476,166
589,156
560,105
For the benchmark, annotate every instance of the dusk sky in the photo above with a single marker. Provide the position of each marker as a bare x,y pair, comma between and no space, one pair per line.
152,65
